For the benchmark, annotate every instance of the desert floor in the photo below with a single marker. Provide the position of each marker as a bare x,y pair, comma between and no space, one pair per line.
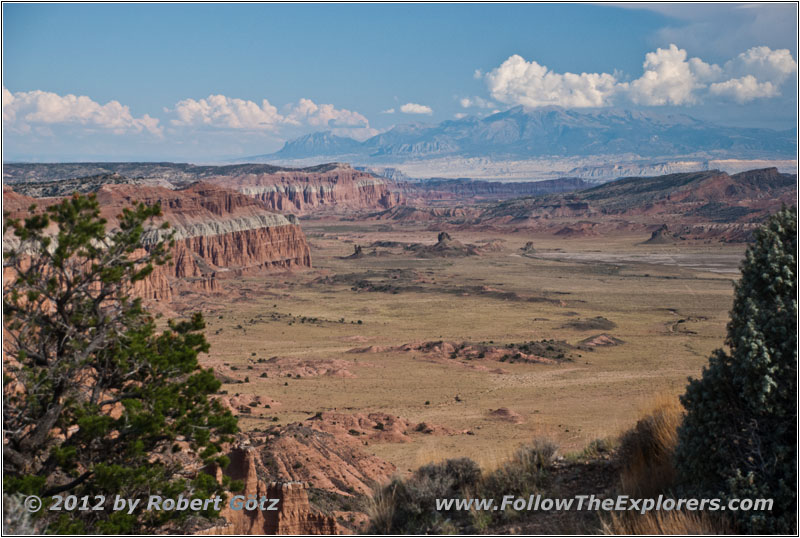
669,304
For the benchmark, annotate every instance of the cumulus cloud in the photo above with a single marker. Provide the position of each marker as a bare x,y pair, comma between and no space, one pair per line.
475,102
23,111
744,89
526,83
667,80
459,115
763,63
669,77
306,112
222,112
414,108
227,112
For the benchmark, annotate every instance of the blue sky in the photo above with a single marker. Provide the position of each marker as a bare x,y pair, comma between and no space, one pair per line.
206,81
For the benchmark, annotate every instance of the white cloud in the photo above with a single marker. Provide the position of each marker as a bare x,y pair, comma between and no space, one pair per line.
223,112
669,77
478,102
388,111
703,72
24,110
306,112
414,108
744,89
459,115
774,66
667,80
226,112
531,84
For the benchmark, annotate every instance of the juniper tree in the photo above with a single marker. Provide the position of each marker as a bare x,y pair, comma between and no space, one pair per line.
97,400
739,435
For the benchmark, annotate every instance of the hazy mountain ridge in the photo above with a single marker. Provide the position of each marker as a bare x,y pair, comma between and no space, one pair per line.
710,195
546,132
475,191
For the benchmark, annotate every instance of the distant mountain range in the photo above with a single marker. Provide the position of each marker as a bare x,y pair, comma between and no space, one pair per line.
550,132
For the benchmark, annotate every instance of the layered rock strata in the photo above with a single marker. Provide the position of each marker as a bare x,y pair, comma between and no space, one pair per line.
292,514
217,232
337,187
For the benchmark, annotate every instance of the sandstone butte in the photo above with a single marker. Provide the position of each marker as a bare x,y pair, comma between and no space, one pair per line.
337,187
218,233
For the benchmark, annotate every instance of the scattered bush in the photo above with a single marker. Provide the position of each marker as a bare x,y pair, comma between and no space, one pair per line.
408,507
523,474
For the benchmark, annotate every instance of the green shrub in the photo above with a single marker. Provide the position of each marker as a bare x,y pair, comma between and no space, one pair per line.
523,474
739,435
409,507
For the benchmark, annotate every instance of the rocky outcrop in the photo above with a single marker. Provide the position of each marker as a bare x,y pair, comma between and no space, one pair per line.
333,186
337,187
293,515
661,236
336,463
217,233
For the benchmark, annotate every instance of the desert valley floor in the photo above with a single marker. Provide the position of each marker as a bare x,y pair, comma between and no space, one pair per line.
630,322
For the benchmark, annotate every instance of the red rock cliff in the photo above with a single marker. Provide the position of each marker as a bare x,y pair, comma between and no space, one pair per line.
218,232
294,514
339,188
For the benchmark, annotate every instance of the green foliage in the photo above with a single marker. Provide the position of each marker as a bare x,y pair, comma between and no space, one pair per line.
525,473
409,506
740,432
95,397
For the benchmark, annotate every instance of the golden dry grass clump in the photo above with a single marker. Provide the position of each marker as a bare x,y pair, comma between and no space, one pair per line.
646,451
664,522
647,470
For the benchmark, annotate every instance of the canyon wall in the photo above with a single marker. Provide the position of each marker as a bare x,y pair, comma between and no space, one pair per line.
332,187
217,233
336,187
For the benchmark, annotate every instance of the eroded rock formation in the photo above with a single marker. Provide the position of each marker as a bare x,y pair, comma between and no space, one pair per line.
293,513
338,187
218,232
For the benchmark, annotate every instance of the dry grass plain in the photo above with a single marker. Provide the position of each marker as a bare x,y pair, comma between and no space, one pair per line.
644,289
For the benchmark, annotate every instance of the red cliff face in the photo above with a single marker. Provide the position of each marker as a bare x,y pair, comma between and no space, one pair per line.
291,515
340,188
217,232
